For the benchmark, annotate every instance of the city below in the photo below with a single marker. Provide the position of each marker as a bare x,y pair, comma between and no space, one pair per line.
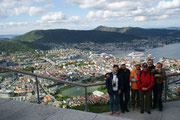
79,63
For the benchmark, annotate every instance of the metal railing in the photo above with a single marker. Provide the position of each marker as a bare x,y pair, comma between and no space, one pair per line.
169,81
75,84
55,80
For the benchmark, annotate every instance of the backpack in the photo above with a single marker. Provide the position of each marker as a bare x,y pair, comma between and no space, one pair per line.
141,74
142,71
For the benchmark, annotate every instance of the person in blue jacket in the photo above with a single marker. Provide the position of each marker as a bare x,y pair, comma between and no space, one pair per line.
114,85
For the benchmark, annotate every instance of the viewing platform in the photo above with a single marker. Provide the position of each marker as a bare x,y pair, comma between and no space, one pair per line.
15,110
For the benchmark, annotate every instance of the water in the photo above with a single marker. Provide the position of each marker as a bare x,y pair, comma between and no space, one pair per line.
168,51
78,91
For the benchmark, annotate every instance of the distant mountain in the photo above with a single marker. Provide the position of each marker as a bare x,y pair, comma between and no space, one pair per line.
8,36
102,34
173,28
34,39
74,36
142,32
4,39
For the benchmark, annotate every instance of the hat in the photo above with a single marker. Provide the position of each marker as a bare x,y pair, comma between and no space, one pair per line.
138,64
145,65
123,63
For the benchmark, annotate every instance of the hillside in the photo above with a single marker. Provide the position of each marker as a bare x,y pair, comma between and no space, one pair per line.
34,39
141,32
74,36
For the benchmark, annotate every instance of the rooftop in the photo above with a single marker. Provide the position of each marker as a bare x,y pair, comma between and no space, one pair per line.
15,110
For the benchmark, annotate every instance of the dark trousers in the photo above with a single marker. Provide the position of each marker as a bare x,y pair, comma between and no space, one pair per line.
114,98
134,98
124,99
144,97
157,99
150,99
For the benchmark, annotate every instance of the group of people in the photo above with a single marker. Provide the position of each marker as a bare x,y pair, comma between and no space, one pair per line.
145,82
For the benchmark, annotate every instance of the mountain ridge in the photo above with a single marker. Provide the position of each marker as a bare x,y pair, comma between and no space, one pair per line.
33,40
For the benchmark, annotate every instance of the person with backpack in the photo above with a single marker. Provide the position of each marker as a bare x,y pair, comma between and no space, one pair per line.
114,85
145,83
125,93
134,87
159,78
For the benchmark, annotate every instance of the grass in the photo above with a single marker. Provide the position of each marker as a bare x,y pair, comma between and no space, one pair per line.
102,89
95,108
78,91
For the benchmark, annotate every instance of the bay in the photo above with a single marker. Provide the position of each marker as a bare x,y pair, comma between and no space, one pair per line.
167,51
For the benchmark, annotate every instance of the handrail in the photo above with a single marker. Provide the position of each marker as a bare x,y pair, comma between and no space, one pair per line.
62,81
172,74
72,83
56,80
51,78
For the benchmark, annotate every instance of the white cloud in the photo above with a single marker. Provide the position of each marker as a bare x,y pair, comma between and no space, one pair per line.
36,11
53,16
9,8
19,10
109,12
137,10
140,18
169,4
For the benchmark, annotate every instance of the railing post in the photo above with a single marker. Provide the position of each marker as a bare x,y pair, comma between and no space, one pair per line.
85,95
37,86
165,89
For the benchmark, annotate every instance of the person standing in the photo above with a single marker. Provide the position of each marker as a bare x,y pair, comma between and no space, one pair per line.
114,85
145,83
159,78
134,87
151,68
125,93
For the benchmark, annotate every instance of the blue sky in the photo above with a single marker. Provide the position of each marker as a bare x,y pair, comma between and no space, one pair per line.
21,16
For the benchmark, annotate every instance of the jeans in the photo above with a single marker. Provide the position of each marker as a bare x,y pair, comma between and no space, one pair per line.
114,98
124,99
144,97
157,98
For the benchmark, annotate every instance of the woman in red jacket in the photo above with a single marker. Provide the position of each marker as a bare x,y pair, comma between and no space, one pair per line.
145,83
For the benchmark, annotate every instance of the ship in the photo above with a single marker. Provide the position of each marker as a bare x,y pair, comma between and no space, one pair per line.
140,56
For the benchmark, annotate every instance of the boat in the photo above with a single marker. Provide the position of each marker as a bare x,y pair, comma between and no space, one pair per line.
136,54
140,56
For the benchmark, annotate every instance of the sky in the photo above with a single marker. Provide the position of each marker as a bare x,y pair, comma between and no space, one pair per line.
21,16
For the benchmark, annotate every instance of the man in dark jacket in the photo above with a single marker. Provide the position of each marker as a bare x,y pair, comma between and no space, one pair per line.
151,66
159,78
145,83
151,69
125,93
114,85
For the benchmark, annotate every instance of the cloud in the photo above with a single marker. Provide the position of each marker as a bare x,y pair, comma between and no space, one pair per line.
169,4
36,11
53,16
137,10
107,12
9,8
140,18
47,21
